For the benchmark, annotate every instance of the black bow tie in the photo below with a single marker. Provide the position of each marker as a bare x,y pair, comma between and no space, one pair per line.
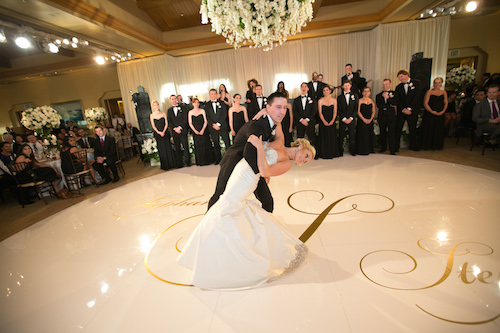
214,102
407,83
347,93
273,128
260,97
303,96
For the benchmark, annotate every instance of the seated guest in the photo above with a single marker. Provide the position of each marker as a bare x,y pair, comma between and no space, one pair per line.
64,132
8,181
69,163
19,139
105,151
36,171
35,145
6,154
134,130
117,120
121,129
72,127
486,115
466,112
10,139
84,140
450,115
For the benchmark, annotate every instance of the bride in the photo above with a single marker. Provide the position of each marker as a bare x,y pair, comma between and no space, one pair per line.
239,245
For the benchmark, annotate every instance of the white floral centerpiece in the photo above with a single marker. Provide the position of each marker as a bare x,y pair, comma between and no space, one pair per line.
150,151
461,75
260,22
41,119
97,115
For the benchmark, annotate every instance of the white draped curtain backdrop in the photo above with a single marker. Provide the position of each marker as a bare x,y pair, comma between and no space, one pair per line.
380,53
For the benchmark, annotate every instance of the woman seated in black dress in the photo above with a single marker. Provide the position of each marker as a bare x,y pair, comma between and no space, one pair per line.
70,164
36,170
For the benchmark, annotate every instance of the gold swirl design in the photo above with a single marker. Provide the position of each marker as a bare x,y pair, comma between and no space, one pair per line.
461,322
321,217
467,251
146,258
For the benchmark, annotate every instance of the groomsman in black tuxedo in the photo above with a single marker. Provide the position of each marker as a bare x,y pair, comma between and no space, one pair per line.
304,111
347,103
353,77
104,151
409,97
315,87
387,110
216,111
258,103
241,148
178,127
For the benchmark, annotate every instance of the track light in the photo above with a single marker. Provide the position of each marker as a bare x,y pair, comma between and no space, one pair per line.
53,48
3,38
100,60
23,42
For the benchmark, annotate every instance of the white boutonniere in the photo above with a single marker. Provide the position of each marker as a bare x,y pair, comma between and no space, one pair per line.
352,97
309,98
391,95
273,132
218,105
265,100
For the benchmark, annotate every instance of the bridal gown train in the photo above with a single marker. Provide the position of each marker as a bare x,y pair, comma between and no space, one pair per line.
237,244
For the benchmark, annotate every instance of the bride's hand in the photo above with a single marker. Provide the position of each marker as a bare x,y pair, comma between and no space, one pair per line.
254,140
260,114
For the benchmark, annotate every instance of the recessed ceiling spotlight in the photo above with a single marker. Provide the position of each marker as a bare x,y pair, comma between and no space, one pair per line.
74,40
99,60
53,47
74,45
66,41
471,6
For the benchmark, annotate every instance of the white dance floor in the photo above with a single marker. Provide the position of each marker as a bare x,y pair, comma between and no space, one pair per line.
404,245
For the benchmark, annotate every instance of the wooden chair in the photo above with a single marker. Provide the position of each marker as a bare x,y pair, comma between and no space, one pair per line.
40,186
118,163
484,141
74,180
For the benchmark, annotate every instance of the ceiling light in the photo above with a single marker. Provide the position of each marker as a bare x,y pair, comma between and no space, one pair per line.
74,45
471,6
65,41
3,38
53,48
99,60
74,40
23,42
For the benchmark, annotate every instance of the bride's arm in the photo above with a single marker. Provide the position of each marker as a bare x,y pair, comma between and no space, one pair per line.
265,170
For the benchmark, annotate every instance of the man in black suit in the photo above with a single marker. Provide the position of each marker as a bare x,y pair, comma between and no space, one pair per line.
347,103
315,87
353,77
216,111
466,112
486,114
304,111
258,103
387,109
104,151
178,127
84,141
263,127
409,97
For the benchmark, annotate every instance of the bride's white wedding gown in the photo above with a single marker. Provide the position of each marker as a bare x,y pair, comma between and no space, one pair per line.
238,244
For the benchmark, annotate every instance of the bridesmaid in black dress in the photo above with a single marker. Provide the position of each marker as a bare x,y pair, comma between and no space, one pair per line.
238,115
159,123
435,103
251,90
197,120
224,95
364,125
327,112
287,125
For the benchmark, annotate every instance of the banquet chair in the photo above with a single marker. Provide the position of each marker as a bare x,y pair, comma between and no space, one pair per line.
128,146
118,163
77,179
41,187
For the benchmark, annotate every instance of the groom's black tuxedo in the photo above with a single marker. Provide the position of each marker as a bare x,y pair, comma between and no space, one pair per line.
241,148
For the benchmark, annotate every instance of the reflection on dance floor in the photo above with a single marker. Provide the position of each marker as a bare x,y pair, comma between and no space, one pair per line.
396,244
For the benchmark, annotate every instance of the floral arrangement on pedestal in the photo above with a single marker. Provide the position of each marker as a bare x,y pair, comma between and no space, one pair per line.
150,151
461,76
41,120
259,22
96,115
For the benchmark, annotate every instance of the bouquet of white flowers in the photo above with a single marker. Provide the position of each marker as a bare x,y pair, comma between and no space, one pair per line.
50,141
461,75
41,117
97,114
149,150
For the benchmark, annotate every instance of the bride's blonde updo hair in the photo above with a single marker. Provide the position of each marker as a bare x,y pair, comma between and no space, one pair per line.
305,144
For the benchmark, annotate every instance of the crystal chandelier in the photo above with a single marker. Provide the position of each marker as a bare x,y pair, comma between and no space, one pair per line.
264,23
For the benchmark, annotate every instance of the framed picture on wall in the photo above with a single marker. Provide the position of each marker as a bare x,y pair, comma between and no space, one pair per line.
72,110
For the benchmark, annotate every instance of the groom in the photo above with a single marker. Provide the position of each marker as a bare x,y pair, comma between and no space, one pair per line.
276,109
